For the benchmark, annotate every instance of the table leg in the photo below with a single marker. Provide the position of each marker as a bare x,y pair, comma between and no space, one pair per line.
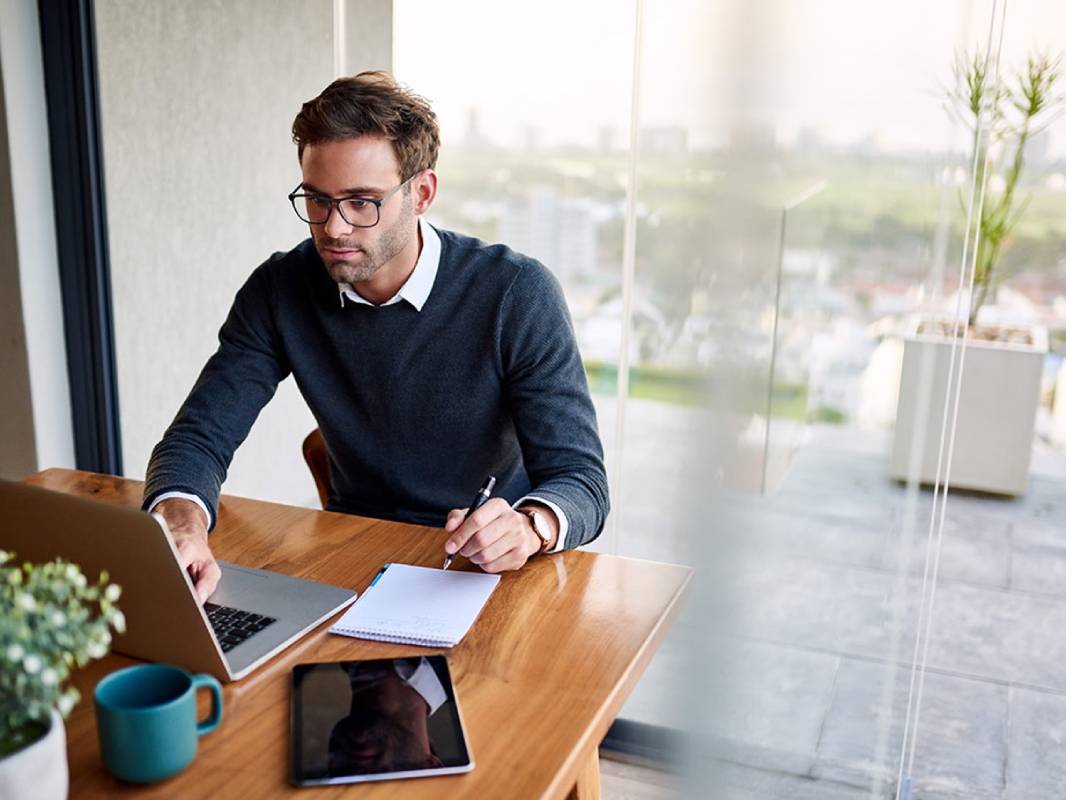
587,786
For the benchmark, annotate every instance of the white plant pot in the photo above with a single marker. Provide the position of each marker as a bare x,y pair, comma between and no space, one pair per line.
998,401
39,770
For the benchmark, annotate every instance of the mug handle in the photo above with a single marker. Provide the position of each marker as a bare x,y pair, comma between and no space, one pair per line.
215,717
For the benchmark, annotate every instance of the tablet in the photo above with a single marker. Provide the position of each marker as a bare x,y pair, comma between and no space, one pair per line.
375,720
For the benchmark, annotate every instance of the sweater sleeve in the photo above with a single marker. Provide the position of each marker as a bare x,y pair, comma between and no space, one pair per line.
237,381
550,404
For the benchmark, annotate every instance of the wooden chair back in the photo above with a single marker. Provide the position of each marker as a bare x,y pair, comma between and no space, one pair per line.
315,455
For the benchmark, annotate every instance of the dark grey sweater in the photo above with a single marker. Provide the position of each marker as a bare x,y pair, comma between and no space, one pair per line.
416,407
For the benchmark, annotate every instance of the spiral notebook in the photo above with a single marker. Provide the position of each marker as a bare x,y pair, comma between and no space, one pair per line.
418,605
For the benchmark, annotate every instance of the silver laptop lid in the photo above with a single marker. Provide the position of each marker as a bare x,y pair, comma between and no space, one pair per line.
164,619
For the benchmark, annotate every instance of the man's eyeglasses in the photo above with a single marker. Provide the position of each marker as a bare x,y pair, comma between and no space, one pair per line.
359,212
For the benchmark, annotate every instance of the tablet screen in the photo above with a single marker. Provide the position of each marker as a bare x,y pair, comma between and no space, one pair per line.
374,720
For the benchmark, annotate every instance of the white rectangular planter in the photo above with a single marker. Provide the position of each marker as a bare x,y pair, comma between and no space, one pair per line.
998,401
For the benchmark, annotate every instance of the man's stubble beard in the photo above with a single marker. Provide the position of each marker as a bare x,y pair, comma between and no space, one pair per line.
375,256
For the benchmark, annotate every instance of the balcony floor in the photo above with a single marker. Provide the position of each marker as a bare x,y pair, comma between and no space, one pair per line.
826,594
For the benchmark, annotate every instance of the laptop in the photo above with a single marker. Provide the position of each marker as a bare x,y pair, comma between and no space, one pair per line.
253,615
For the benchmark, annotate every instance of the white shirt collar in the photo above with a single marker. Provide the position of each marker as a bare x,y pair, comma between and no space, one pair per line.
420,283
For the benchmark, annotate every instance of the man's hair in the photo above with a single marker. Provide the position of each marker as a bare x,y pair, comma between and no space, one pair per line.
372,104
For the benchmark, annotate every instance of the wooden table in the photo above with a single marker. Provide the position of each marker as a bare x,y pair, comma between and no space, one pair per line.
540,677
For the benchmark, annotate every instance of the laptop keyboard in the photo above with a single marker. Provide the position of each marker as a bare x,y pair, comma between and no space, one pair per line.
233,626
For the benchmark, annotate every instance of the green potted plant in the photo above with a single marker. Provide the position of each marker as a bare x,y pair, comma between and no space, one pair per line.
52,621
1000,385
1015,115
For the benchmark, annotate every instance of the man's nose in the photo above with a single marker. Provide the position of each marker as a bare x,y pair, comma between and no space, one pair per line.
335,226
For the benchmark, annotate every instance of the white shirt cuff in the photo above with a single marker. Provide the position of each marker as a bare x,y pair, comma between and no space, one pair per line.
423,680
564,523
183,496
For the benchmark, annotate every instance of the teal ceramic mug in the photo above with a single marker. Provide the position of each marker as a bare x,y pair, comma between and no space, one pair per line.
146,720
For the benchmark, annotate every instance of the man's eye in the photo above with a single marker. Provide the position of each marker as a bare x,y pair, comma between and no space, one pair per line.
357,203
318,200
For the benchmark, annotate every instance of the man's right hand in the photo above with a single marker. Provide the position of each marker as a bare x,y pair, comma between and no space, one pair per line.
188,526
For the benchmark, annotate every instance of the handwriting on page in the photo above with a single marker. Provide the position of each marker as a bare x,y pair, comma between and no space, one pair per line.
423,627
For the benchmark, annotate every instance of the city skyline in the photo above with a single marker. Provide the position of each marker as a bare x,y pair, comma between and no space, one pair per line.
851,72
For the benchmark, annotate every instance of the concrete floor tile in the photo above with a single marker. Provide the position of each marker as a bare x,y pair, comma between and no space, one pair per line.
974,548
1041,532
833,608
1038,568
777,534
1006,636
728,781
961,733
1036,769
978,631
773,706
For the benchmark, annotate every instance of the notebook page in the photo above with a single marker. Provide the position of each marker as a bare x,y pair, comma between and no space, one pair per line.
419,605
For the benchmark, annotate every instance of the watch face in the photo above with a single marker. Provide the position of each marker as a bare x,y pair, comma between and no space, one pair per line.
539,527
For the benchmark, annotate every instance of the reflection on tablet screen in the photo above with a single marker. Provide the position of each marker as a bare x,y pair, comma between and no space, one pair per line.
370,720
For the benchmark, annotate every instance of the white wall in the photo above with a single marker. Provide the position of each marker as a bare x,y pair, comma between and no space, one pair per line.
197,103
35,421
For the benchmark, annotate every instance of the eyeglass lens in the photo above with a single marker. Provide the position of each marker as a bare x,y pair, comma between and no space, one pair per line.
355,211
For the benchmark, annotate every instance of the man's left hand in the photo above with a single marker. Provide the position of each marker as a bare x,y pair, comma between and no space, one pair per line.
495,537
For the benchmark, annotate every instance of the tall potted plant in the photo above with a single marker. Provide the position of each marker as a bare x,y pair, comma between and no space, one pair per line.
1000,381
52,621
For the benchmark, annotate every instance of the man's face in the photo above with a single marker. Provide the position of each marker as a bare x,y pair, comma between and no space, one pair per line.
364,167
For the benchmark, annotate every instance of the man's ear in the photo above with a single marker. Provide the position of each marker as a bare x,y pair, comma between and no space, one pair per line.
424,190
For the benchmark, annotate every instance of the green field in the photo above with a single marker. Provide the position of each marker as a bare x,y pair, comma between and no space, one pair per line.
694,389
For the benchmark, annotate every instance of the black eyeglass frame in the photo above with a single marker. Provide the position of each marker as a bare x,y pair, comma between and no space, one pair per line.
296,194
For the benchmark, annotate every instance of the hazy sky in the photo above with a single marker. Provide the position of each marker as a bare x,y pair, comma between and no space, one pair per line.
850,69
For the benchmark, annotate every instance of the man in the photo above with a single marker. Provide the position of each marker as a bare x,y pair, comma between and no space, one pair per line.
387,726
430,360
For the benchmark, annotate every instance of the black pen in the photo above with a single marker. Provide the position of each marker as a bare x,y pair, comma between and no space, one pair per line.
479,501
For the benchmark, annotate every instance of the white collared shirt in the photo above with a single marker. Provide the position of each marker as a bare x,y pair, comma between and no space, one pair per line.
415,291
419,283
